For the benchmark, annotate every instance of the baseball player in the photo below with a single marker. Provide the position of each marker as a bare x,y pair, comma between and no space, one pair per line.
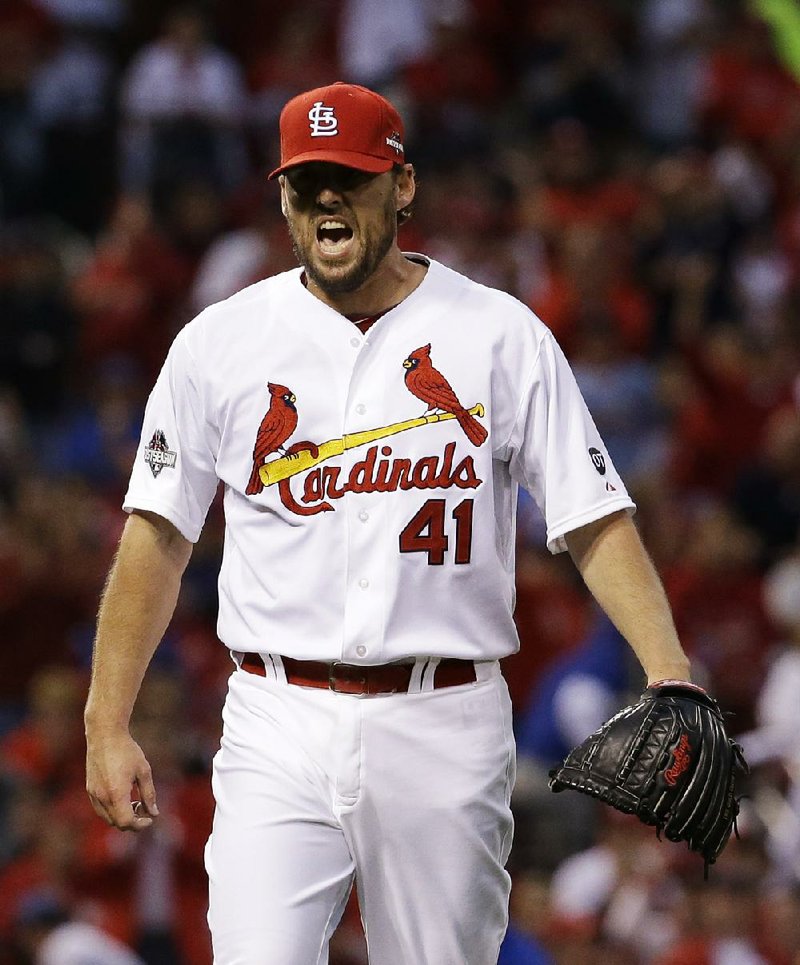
370,415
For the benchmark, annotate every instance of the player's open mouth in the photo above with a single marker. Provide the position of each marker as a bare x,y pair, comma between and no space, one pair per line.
333,237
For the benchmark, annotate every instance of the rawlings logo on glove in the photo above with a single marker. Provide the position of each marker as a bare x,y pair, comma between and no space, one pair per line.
682,758
668,760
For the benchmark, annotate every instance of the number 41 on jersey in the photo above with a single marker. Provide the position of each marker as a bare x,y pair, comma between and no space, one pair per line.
426,531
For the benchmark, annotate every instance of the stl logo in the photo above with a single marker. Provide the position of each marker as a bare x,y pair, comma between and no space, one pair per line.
323,121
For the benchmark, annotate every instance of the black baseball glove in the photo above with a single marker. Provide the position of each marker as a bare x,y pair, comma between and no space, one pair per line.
668,760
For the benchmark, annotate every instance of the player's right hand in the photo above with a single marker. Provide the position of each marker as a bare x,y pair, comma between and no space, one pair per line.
119,781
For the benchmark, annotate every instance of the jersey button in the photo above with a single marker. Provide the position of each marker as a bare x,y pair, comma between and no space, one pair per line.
361,408
361,650
355,342
363,515
363,583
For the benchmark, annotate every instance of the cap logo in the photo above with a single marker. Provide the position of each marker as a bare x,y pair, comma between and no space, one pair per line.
324,122
394,141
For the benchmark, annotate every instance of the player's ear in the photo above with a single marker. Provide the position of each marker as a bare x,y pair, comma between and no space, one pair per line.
405,186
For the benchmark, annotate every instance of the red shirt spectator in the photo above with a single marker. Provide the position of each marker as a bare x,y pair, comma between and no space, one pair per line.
749,93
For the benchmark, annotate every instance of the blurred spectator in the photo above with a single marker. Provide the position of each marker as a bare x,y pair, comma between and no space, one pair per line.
575,695
301,54
192,217
467,208
24,33
183,104
149,891
674,37
621,390
15,449
749,94
526,942
761,275
94,14
43,858
47,748
780,918
746,180
451,88
690,235
47,935
767,492
788,218
772,746
376,41
723,926
168,890
721,395
552,614
242,256
572,68
95,438
618,891
37,336
716,595
71,101
127,295
55,551
581,186
589,285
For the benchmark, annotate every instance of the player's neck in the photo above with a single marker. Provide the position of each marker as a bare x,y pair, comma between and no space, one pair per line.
394,279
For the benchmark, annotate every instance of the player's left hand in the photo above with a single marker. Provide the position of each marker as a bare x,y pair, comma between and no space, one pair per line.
119,782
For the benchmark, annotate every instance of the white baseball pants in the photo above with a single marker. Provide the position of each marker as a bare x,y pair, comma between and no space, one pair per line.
408,794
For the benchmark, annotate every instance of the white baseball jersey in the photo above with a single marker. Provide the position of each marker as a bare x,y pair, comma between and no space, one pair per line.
370,481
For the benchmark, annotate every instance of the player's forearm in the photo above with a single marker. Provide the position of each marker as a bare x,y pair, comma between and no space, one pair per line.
620,575
137,605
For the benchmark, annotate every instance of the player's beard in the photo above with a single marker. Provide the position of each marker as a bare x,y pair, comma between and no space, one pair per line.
331,279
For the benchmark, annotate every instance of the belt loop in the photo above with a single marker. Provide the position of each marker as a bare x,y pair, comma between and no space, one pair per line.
486,669
275,669
429,674
415,682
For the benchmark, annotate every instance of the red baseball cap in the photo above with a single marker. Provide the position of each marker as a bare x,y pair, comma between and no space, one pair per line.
343,124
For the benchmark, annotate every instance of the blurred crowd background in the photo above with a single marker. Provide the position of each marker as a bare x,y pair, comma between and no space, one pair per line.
630,169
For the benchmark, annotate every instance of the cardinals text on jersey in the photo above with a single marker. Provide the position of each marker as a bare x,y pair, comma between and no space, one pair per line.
387,473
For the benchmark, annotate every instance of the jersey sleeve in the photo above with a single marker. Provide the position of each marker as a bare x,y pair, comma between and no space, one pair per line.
557,453
174,472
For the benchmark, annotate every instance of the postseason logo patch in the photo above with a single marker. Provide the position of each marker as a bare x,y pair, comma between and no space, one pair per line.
158,455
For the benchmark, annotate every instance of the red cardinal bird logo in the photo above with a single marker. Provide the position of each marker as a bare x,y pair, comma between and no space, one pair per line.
429,385
276,427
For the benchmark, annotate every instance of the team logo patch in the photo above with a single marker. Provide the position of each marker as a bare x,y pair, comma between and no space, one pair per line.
158,455
394,141
598,461
322,120
380,470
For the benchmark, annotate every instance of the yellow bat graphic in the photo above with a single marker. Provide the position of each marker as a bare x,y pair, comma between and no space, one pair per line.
286,466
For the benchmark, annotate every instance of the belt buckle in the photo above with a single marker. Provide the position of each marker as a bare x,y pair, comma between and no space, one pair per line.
355,686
